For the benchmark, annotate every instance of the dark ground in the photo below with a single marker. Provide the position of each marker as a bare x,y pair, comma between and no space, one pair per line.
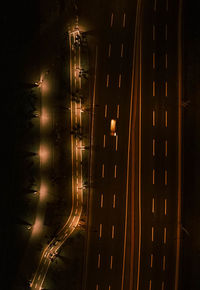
18,30
190,259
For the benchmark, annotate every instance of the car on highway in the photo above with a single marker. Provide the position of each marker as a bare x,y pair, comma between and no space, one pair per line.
113,127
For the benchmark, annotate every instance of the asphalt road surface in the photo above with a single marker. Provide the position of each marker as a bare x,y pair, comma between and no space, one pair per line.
156,224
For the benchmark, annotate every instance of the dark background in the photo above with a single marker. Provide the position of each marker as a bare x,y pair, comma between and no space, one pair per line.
19,28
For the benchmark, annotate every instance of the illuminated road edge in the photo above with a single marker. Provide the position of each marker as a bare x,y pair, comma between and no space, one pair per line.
51,250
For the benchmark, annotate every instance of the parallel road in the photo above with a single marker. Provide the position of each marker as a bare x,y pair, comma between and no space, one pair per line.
49,253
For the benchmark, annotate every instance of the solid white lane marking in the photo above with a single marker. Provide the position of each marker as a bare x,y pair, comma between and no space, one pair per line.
107,80
166,148
154,118
104,141
118,111
111,262
153,32
109,49
153,176
105,111
151,264
120,78
113,231
102,171
113,200
122,50
166,32
164,263
100,231
150,285
99,261
166,123
153,205
165,206
152,234
166,177
154,65
124,20
166,60
154,147
163,285
155,5
167,6
154,89
111,20
115,174
165,235
116,143
165,88
101,200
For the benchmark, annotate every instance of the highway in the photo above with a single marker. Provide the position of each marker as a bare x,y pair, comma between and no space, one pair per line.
138,83
133,230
